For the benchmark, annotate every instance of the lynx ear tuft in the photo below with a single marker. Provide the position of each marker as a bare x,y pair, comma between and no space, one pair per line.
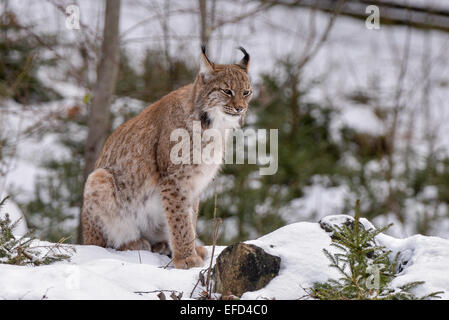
244,63
206,67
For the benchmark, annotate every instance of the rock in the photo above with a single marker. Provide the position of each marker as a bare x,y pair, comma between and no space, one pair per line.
329,222
244,267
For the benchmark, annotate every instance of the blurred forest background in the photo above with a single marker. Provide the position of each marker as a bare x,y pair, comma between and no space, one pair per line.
361,112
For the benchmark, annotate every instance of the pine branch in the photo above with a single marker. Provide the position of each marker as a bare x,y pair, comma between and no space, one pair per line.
366,268
21,251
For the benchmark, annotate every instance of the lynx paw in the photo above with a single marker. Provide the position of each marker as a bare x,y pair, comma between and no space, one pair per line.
140,244
189,262
201,251
161,248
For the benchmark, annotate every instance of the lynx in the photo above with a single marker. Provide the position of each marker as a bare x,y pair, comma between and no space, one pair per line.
136,198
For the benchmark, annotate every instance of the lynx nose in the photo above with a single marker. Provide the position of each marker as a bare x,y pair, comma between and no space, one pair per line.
238,109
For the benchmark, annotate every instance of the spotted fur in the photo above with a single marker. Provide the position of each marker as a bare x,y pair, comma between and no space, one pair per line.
136,198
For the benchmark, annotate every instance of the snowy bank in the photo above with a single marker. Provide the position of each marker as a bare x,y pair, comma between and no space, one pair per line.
99,273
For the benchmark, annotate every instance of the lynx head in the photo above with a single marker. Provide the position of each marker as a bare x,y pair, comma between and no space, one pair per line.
223,89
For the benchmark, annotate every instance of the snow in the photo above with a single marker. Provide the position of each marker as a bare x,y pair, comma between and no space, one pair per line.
428,259
99,273
300,247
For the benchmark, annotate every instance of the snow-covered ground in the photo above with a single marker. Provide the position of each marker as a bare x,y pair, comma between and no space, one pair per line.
99,273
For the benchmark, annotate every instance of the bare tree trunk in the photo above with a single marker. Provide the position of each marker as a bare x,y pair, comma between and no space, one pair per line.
204,34
99,113
165,19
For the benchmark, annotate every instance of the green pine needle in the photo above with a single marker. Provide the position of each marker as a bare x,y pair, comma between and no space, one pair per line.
365,267
21,250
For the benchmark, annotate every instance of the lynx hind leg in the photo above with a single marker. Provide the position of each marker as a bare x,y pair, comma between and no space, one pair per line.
92,233
99,205
103,224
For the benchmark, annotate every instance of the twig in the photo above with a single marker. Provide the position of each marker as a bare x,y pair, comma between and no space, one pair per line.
236,19
154,291
161,294
200,278
166,266
214,241
309,54
44,297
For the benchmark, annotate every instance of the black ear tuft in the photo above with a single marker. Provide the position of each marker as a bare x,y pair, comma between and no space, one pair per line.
206,66
244,63
245,59
203,49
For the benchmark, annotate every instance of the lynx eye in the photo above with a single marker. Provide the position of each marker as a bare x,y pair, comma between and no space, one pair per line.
227,92
246,93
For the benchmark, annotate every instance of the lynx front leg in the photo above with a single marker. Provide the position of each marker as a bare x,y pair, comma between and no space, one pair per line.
178,210
200,250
